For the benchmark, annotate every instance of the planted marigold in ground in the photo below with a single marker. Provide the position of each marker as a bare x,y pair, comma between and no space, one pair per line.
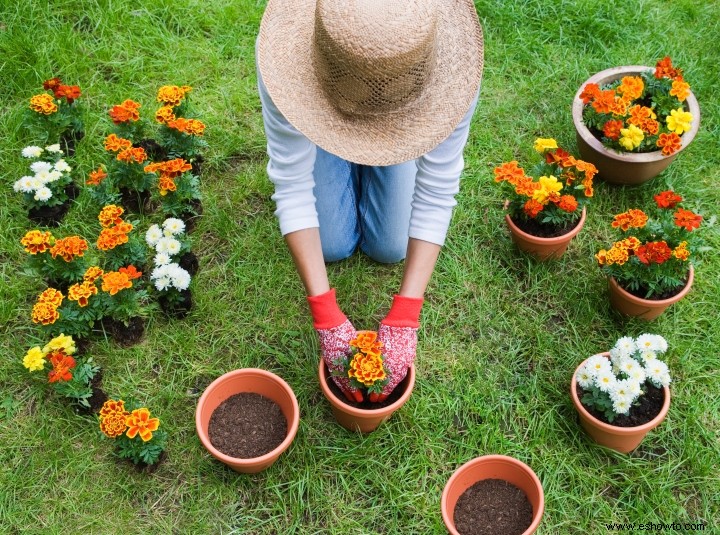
134,430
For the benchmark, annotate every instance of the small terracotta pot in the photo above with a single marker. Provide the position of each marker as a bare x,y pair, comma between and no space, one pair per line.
543,248
363,420
647,309
247,380
627,168
622,439
492,467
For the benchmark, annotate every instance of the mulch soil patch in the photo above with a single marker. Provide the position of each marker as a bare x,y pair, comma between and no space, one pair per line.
535,228
493,507
98,398
189,262
649,406
368,405
125,335
179,309
247,425
135,202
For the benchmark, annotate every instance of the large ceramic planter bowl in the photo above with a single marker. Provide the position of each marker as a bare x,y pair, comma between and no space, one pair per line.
492,467
543,248
247,380
363,420
625,167
646,309
622,439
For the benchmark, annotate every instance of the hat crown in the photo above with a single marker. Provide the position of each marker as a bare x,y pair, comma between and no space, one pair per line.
374,56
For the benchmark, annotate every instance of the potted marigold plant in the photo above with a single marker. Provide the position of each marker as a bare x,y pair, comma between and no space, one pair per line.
546,212
649,267
60,261
136,433
632,121
178,190
119,245
623,394
364,367
57,116
48,190
180,136
77,379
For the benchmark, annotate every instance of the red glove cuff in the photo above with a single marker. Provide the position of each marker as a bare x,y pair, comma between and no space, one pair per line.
404,312
325,311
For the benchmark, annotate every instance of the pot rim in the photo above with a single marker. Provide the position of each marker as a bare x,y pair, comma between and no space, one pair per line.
612,74
555,239
365,413
655,302
614,429
250,461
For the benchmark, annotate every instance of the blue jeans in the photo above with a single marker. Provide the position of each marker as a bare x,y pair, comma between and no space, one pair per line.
365,206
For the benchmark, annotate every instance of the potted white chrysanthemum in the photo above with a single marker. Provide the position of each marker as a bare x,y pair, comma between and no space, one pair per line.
622,394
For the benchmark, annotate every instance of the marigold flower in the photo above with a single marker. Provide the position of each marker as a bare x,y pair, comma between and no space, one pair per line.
611,129
532,208
633,218
654,253
630,243
601,257
37,241
604,101
616,255
567,203
680,89
172,95
631,87
140,423
667,199
679,121
631,137
681,251
544,144
650,126
131,271
52,83
114,281
51,296
68,92
366,340
366,368
44,313
61,343
670,143
81,292
509,171
43,104
92,274
69,248
96,177
110,215
112,418
114,143
687,219
110,238
125,112
34,359
664,69
166,184
589,92
164,114
548,185
526,186
62,364
133,154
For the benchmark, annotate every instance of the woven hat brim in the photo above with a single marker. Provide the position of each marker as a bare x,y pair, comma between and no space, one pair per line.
284,54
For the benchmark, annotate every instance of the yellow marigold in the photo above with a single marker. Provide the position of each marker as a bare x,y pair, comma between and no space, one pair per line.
631,243
110,215
63,343
549,186
37,241
681,251
43,103
631,137
679,121
51,296
82,292
45,313
601,257
366,340
34,359
172,95
140,423
69,248
617,255
164,114
112,418
114,281
114,143
92,274
543,144
366,368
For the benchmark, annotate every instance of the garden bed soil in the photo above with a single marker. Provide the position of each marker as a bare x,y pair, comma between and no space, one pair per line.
649,406
125,335
135,202
192,216
544,230
68,140
367,405
52,216
97,399
189,262
493,507
197,165
179,309
155,152
247,425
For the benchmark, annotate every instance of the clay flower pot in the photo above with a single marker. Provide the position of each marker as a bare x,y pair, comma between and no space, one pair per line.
543,248
363,420
247,380
622,439
492,467
627,168
647,309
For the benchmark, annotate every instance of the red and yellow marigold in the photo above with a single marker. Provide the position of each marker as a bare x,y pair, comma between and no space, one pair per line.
51,296
172,95
164,114
44,313
133,154
633,218
43,103
82,292
112,418
69,248
110,215
37,241
367,368
114,143
92,274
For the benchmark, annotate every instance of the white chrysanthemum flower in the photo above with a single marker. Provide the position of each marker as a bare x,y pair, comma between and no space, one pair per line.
605,380
161,259
635,388
625,346
172,246
54,148
162,283
651,342
52,176
38,167
638,374
43,176
628,365
35,182
584,377
43,194
621,406
32,151
173,226
597,364
152,235
657,371
648,356
62,166
665,379
25,184
181,278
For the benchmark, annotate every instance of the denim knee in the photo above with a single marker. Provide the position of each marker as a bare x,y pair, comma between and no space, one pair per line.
335,251
386,253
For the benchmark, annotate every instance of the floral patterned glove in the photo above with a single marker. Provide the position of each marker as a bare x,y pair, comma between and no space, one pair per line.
335,332
398,333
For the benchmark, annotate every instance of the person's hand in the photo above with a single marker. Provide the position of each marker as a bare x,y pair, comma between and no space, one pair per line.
335,332
398,333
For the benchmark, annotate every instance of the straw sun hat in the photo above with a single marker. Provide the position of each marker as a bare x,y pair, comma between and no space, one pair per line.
376,82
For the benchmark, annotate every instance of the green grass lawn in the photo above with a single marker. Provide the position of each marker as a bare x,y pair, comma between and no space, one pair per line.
501,334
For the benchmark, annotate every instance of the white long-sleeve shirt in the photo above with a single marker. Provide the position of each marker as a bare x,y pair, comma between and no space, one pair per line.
292,159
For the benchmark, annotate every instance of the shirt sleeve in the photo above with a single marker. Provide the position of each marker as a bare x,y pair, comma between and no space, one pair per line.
290,168
437,183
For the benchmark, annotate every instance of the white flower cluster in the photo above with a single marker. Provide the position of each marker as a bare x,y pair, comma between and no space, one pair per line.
167,273
44,172
632,362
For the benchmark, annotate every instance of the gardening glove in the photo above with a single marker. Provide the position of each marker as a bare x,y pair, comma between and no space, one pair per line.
335,332
398,333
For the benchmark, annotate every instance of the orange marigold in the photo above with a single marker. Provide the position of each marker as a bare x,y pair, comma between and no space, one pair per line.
172,95
667,199
96,177
112,418
164,114
166,184
589,92
110,238
51,296
509,171
110,215
616,255
44,313
664,69
604,101
680,89
68,92
37,241
670,143
687,219
114,281
366,368
567,203
631,87
633,218
82,292
43,103
125,112
611,129
140,423
52,83
131,271
62,364
366,340
532,208
92,274
114,143
187,126
133,154
69,248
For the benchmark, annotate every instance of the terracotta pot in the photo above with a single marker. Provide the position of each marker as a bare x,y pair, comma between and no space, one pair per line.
247,380
492,467
363,420
622,439
647,309
625,167
543,248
